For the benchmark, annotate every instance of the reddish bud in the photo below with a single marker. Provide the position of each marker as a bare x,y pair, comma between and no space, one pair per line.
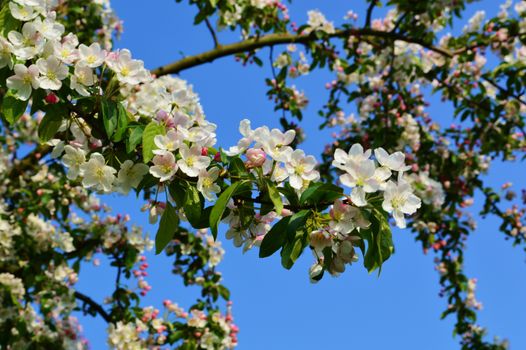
51,98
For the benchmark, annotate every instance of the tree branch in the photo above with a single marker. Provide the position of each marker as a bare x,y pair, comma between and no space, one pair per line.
283,38
369,14
94,305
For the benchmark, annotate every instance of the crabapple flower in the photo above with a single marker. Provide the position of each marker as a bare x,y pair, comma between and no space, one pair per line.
53,72
244,143
24,80
49,28
345,218
399,200
356,154
22,12
128,70
169,142
275,142
317,21
130,175
5,53
206,183
73,159
192,161
27,44
66,50
92,56
164,166
83,77
361,177
395,161
97,174
301,169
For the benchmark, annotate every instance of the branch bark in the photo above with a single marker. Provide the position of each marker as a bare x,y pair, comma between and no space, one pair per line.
282,38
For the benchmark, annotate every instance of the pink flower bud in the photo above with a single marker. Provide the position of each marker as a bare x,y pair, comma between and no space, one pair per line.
204,151
255,157
51,98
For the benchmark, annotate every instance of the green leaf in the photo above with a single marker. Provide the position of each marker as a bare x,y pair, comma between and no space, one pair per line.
178,192
237,167
7,21
167,227
379,242
13,108
122,123
224,292
134,139
109,116
193,206
219,208
153,129
275,197
297,221
51,122
290,194
321,194
275,238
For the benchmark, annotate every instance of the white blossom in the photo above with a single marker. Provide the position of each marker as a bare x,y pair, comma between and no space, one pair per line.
164,166
130,175
97,174
192,161
52,73
206,183
399,200
24,80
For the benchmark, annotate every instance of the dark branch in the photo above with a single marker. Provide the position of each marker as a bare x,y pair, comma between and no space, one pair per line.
282,38
369,14
94,305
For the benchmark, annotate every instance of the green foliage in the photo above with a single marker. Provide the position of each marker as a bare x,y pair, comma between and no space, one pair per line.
220,206
13,108
167,227
148,145
49,125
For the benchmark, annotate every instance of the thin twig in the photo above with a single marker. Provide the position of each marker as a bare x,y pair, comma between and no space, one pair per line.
212,32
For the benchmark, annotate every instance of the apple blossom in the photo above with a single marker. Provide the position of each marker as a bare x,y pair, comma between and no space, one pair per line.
27,44
130,175
73,159
301,169
83,77
52,73
92,56
24,80
192,161
164,166
399,200
97,174
206,183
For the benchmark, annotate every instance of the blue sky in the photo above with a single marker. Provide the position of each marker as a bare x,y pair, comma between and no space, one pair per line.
279,309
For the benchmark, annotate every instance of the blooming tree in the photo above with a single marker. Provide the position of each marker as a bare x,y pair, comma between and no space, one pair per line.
79,119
